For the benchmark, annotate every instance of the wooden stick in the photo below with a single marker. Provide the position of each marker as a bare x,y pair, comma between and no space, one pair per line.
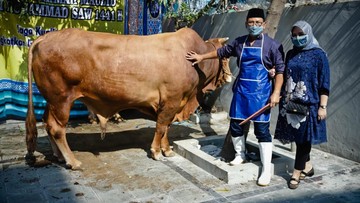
256,114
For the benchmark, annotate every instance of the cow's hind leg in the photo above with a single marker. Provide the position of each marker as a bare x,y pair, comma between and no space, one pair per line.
56,152
55,119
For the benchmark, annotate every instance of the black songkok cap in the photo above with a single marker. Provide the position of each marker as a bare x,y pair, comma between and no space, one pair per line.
256,13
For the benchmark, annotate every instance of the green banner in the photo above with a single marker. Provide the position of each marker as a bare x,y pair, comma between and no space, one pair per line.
21,22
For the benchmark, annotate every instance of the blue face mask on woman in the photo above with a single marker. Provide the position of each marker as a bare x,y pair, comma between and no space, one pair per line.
255,30
300,41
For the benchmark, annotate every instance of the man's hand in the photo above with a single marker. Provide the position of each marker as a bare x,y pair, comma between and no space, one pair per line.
194,57
274,99
272,72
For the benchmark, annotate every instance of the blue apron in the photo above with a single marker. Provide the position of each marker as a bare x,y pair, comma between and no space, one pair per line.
252,87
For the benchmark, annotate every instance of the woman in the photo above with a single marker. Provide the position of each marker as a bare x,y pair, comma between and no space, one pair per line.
304,99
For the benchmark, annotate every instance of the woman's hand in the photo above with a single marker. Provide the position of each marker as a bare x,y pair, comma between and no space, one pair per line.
321,114
194,57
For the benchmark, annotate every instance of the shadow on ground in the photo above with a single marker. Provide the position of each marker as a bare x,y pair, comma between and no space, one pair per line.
85,137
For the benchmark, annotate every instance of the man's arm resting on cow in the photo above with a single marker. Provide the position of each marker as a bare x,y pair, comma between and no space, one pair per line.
275,97
197,58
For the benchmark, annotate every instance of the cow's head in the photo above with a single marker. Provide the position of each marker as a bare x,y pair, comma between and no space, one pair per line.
224,74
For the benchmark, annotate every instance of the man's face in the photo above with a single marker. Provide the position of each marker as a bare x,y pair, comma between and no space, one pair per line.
255,22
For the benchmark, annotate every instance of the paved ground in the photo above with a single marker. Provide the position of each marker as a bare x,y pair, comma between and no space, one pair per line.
119,169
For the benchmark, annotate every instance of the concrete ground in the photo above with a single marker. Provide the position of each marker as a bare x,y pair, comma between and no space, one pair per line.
119,169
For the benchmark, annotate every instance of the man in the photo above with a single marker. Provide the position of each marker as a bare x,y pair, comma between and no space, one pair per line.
257,54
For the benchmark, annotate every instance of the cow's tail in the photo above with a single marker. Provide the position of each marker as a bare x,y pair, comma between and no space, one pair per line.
31,130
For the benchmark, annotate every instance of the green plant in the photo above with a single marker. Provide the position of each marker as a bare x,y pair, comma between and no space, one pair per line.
184,16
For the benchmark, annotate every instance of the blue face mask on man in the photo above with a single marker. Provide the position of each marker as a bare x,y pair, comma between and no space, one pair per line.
255,30
300,41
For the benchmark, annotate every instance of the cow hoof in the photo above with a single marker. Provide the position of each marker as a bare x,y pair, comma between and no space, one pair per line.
75,167
30,159
156,154
118,118
169,153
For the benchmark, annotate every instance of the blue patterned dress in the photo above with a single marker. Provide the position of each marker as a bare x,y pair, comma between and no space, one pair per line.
307,76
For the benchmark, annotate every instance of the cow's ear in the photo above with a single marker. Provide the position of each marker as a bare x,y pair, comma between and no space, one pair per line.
223,40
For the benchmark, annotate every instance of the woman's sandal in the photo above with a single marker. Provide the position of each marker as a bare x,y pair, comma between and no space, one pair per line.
304,174
296,185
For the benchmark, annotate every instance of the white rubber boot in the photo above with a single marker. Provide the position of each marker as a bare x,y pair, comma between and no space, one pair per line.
239,146
265,155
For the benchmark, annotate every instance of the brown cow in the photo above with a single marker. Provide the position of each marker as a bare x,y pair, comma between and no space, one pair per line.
110,73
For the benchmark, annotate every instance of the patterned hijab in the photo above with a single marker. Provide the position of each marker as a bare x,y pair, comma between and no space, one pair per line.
307,29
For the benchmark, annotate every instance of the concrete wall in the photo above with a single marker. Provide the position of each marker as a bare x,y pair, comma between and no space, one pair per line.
337,27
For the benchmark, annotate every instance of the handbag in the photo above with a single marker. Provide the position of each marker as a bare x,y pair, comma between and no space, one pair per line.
296,108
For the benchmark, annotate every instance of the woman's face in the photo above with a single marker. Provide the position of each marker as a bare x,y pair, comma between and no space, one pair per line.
296,31
299,38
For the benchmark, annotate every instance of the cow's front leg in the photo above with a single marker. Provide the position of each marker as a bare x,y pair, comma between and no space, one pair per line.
161,129
165,146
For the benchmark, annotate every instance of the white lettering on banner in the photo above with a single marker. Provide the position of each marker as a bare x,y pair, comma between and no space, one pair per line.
104,15
29,42
78,9
79,13
11,41
40,31
82,10
7,6
48,11
69,2
24,31
98,2
120,15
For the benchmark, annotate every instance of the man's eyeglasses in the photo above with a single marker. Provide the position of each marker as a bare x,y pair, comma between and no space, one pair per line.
252,23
